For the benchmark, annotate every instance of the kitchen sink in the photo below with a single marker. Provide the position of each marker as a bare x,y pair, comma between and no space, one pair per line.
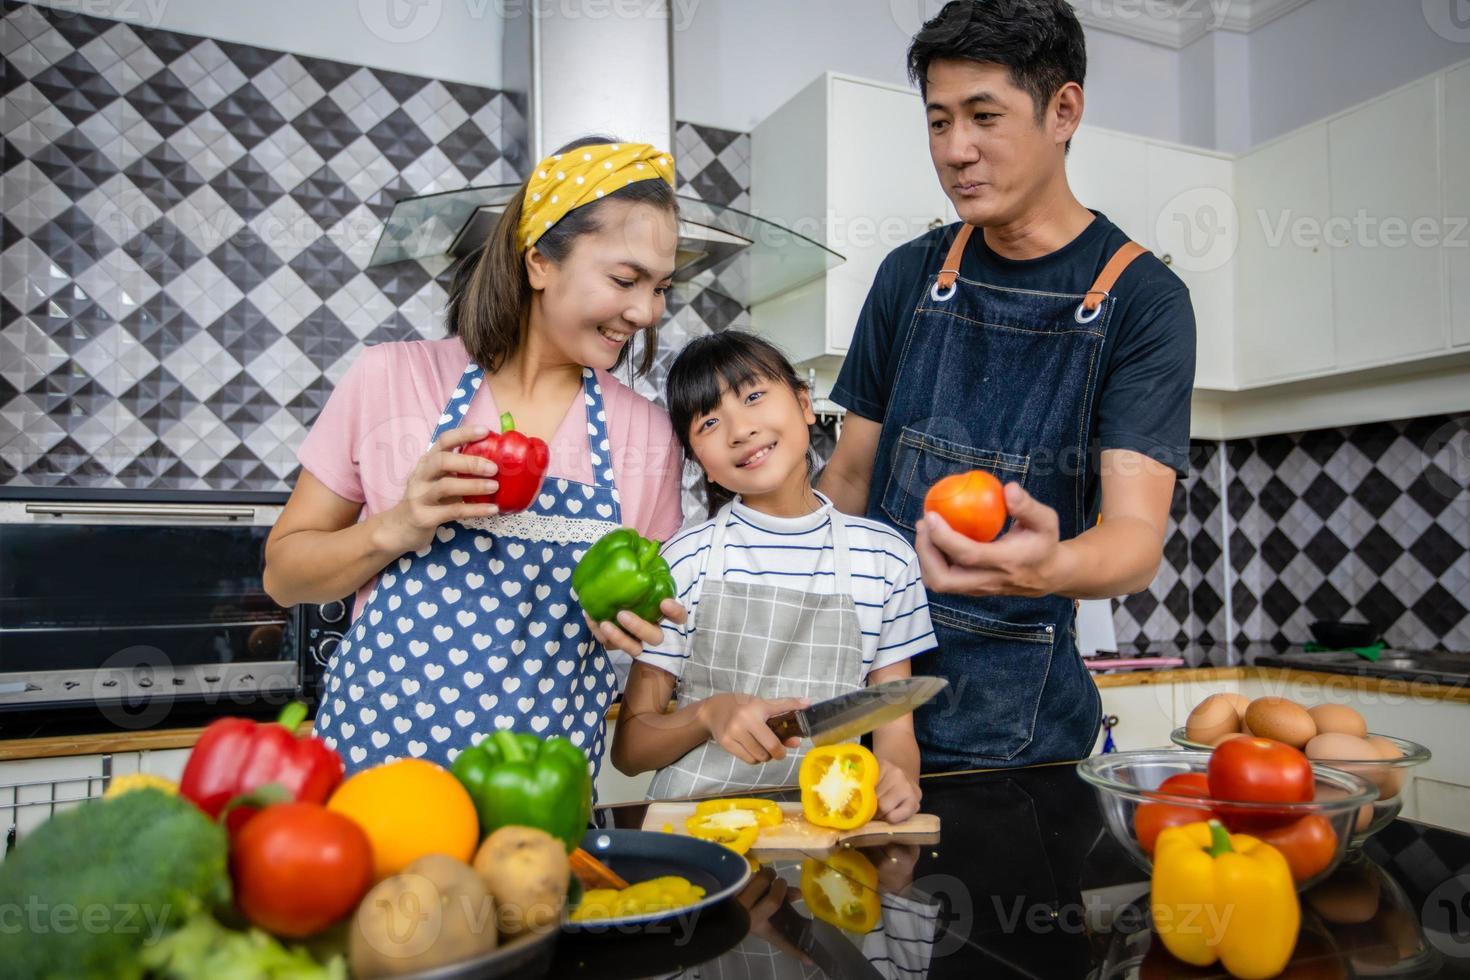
1437,666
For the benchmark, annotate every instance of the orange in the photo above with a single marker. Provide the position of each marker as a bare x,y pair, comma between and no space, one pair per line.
409,808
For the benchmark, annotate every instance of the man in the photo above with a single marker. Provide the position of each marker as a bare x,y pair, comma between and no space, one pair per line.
1031,340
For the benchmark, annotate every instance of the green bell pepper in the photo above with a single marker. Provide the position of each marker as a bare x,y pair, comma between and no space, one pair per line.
623,571
515,778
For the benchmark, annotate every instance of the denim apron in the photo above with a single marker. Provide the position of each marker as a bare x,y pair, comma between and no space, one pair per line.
479,630
999,379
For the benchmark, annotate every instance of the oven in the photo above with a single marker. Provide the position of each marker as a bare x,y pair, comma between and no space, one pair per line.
144,609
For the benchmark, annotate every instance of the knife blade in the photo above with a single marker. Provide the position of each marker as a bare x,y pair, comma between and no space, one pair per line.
857,712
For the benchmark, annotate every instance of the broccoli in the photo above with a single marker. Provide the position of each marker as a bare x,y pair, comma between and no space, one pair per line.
85,891
203,948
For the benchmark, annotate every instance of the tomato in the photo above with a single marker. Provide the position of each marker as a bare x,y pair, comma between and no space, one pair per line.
1307,844
1258,770
972,503
299,867
1151,819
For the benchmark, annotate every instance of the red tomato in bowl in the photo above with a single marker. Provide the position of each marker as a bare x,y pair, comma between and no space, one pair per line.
1151,819
299,867
1258,770
1308,844
972,503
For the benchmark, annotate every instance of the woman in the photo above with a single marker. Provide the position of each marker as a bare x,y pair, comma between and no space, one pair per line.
464,620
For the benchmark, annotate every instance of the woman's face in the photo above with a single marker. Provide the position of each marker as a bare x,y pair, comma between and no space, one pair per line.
610,286
755,441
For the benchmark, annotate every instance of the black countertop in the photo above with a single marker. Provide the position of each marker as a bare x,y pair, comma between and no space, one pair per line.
1026,882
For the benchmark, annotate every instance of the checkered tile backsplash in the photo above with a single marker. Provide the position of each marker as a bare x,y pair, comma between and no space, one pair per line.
183,248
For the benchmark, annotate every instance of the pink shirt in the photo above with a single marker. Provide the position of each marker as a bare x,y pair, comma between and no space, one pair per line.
377,423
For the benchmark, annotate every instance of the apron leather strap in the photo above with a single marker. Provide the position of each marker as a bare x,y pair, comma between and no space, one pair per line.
951,270
1109,276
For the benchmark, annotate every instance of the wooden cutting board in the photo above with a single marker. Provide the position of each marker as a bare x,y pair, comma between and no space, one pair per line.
796,834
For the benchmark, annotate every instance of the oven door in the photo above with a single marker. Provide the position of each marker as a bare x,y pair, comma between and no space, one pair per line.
140,603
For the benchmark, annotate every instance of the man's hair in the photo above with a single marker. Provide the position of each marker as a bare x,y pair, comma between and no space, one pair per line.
1039,41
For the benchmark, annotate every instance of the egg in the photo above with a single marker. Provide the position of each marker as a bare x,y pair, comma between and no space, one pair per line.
1213,717
1390,779
1337,747
1240,701
1338,718
1281,719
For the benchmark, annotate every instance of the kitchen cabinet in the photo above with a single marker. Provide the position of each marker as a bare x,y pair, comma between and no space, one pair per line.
1388,295
1456,166
1108,173
32,789
1284,324
845,161
1145,714
614,787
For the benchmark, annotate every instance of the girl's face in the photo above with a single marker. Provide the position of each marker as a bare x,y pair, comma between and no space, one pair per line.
610,286
755,441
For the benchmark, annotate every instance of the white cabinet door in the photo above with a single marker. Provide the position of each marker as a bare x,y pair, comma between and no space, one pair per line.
1283,325
1457,199
1145,714
882,191
1387,291
1193,221
1109,173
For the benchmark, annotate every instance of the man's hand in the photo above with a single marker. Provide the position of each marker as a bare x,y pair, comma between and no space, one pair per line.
1024,561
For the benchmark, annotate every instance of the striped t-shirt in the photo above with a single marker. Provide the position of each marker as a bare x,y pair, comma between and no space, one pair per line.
796,553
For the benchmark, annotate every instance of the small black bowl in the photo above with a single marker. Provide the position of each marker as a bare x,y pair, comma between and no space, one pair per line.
1344,636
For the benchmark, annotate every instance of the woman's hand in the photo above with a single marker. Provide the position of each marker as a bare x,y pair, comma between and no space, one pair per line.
436,489
737,723
631,633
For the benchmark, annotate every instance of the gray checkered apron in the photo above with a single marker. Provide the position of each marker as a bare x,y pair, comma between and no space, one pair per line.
768,642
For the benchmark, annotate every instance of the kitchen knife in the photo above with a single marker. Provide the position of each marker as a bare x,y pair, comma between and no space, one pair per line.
850,715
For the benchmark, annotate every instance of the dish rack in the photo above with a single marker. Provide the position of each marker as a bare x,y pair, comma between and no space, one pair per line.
26,805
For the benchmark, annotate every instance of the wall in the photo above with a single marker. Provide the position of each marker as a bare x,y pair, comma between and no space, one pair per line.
451,40
736,61
1332,54
185,255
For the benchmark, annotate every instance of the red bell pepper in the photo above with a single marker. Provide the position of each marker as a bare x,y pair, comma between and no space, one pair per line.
521,461
236,756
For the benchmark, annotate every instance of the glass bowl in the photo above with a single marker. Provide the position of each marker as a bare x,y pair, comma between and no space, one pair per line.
1124,780
1389,776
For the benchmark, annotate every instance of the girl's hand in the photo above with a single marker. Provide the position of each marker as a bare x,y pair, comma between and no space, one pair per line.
436,489
737,722
898,795
631,633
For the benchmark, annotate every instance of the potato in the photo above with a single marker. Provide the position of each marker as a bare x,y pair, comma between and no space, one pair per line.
434,912
528,872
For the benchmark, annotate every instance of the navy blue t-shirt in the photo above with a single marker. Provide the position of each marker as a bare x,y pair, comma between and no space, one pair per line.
1147,365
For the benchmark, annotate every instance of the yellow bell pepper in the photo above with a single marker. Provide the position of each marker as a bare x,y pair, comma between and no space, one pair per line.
767,813
643,898
839,786
128,782
842,890
736,829
1226,897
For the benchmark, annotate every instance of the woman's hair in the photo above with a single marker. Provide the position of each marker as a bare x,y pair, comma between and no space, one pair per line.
705,369
489,294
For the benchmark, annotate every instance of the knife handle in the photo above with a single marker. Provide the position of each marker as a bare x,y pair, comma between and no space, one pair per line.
785,725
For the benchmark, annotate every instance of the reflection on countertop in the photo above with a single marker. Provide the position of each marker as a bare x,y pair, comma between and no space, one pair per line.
1428,666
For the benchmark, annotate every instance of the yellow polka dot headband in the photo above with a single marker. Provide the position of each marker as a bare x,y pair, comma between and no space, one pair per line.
564,182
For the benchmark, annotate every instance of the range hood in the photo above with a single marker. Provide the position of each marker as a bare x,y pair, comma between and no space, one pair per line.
545,57
725,249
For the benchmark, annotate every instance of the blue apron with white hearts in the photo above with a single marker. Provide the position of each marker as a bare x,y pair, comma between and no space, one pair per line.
479,630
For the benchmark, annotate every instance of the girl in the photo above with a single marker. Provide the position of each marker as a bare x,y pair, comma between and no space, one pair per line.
788,600
464,620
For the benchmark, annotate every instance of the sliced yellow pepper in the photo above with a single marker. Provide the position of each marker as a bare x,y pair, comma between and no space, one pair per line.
842,890
1226,897
128,782
839,786
767,813
663,894
736,829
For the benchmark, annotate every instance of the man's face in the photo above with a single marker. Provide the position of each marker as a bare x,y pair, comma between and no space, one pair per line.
991,154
